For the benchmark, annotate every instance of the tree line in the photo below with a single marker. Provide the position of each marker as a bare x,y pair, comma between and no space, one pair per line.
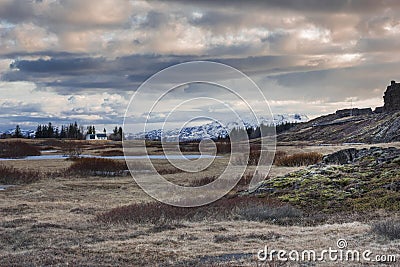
70,131
256,132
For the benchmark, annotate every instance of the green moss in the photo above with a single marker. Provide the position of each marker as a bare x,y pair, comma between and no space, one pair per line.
359,187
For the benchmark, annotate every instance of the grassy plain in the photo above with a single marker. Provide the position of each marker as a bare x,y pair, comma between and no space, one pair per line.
54,221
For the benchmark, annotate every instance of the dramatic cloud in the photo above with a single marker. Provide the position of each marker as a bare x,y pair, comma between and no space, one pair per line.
82,60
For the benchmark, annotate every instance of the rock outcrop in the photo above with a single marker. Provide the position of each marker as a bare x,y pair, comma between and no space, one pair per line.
353,112
349,180
341,157
392,97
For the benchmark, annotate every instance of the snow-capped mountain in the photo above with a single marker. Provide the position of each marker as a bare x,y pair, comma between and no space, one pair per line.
25,133
214,129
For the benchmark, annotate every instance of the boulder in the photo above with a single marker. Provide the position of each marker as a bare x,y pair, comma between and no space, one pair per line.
341,157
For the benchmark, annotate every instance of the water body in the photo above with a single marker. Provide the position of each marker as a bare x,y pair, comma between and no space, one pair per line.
4,187
53,157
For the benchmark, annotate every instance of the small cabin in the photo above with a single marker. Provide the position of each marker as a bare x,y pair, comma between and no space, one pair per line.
101,136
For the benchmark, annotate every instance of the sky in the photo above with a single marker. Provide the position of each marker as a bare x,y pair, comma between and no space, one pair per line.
73,60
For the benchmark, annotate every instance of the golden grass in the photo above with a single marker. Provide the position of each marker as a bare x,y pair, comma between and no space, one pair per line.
53,222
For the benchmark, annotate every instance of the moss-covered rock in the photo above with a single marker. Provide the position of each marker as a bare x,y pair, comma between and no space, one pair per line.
369,182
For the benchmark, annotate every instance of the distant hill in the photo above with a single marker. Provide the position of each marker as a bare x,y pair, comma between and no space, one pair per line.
334,128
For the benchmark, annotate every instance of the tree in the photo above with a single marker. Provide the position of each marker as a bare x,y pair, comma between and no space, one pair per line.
39,132
117,134
120,134
63,134
18,133
50,131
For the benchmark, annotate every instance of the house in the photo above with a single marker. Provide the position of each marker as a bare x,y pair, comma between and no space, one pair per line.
101,136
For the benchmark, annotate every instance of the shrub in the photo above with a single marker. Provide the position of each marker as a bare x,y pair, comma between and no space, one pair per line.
17,149
244,180
260,213
253,159
12,176
299,159
110,153
96,166
169,169
203,181
72,149
389,229
279,155
156,212
247,177
225,238
223,147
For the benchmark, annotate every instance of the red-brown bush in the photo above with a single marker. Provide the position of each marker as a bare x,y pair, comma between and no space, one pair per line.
17,149
13,176
90,166
299,159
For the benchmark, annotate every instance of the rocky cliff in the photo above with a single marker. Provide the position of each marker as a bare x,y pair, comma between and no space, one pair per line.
373,128
353,125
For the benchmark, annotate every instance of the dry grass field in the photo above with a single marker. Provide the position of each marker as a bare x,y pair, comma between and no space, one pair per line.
57,220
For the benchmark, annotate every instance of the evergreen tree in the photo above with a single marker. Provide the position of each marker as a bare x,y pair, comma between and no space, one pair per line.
18,133
50,131
39,132
63,134
120,134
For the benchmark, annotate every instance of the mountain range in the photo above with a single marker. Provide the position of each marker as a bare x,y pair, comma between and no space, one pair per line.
25,133
214,129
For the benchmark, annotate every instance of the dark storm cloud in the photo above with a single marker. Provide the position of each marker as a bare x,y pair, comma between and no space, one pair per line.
359,6
68,75
154,20
18,108
64,66
17,11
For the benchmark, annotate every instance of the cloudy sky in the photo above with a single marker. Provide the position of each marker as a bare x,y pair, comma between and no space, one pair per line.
67,60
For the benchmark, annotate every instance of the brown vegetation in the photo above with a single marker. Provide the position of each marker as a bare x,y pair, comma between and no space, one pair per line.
387,228
111,153
12,176
299,159
17,149
223,209
96,166
244,180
